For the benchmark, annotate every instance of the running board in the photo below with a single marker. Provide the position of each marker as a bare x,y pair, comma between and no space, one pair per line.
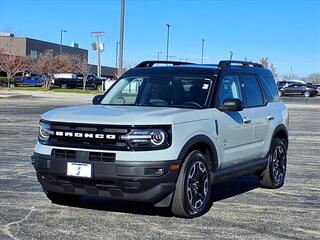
240,170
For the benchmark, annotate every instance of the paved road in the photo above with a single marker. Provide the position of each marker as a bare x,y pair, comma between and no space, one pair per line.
241,209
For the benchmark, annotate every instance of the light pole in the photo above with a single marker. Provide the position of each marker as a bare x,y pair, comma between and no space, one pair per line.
159,55
121,37
202,51
117,51
61,31
168,35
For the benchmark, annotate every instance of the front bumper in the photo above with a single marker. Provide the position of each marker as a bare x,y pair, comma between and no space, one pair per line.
121,180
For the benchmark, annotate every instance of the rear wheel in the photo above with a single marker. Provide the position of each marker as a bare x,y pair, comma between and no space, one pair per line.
193,189
274,174
12,85
99,87
281,93
64,86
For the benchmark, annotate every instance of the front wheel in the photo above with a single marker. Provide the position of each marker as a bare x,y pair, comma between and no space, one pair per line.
274,174
193,189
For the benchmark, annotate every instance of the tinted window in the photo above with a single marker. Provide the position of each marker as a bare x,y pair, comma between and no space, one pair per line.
161,91
270,89
252,91
229,88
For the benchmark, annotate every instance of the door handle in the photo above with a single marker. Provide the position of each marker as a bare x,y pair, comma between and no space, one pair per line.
246,120
270,117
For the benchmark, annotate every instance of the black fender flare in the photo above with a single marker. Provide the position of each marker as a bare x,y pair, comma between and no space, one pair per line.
200,139
281,128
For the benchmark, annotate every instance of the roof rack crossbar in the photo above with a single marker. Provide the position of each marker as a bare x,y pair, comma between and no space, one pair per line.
228,63
151,63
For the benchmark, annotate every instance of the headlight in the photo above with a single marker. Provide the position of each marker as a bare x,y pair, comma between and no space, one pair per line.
44,131
152,138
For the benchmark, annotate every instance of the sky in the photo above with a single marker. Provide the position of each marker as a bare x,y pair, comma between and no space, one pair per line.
287,32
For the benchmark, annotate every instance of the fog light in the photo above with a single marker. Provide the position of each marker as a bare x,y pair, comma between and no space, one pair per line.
154,171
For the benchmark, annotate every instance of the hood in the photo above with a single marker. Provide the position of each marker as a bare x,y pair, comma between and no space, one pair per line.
125,115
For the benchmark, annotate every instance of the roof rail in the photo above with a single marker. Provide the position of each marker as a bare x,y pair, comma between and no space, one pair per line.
151,63
228,63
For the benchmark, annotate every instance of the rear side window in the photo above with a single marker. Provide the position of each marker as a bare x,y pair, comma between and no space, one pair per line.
252,92
270,89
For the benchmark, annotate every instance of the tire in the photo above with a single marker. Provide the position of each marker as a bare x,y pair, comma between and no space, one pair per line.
63,199
99,87
274,174
281,93
64,86
190,184
12,85
307,94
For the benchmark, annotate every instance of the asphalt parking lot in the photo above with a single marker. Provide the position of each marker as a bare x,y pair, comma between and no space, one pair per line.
241,209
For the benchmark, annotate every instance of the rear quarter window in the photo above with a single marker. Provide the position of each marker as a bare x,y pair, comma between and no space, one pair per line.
270,89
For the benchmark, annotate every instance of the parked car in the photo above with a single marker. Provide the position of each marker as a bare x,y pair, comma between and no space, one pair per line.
165,134
29,81
317,86
298,89
64,80
70,80
285,83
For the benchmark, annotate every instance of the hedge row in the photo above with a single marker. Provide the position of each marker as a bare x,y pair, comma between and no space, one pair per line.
3,79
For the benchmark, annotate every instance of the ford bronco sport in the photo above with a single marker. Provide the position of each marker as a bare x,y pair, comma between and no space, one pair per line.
164,133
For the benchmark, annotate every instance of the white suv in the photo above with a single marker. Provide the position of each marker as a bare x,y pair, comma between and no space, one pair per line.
165,135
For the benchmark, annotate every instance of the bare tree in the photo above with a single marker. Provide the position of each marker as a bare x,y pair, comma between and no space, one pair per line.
84,70
266,63
46,66
12,65
314,78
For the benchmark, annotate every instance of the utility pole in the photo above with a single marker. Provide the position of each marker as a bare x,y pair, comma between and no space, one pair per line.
99,48
117,51
202,51
61,32
168,35
120,72
159,55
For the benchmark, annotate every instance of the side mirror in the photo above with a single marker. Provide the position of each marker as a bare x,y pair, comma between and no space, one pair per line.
96,99
232,105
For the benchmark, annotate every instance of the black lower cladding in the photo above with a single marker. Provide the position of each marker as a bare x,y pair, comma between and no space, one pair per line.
149,181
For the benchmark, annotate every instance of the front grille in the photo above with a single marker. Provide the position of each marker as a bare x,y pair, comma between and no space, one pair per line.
102,157
89,136
61,154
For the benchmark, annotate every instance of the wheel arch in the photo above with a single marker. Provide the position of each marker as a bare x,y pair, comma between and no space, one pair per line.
281,132
204,144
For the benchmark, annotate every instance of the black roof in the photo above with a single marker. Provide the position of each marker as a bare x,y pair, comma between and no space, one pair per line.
186,68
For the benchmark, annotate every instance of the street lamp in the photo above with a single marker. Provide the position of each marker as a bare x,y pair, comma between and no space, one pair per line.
168,33
117,51
202,51
61,31
120,71
159,55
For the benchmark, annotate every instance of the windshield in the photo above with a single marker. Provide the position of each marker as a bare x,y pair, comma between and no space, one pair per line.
161,91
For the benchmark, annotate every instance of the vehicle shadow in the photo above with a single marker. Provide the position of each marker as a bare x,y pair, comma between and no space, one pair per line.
220,192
